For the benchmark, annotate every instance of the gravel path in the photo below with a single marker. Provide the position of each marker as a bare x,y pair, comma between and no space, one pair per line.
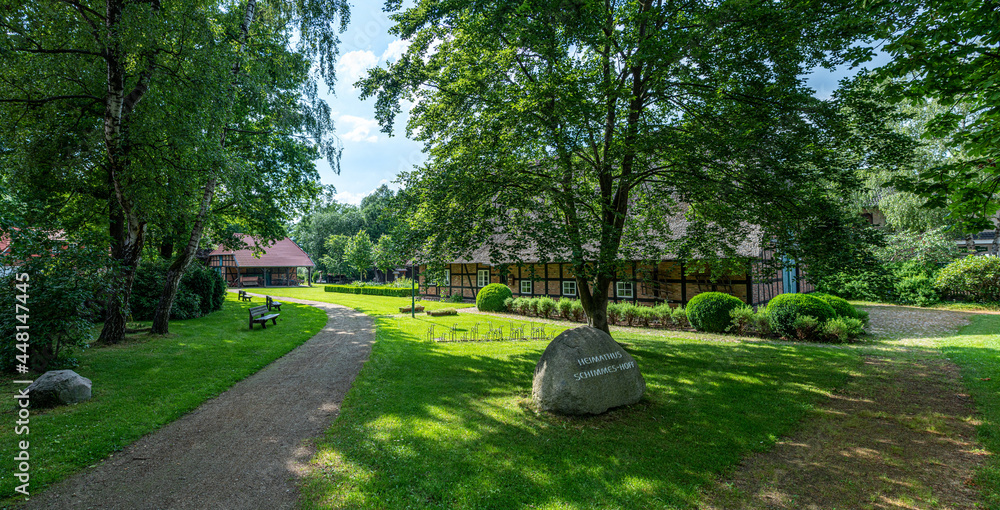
244,449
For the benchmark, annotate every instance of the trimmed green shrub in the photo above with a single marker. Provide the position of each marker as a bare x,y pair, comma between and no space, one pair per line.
977,277
762,322
862,316
370,290
491,297
840,305
565,306
441,312
843,329
533,306
520,306
662,312
679,317
614,313
917,290
546,306
508,304
741,320
578,312
709,311
629,312
806,327
456,298
646,315
783,309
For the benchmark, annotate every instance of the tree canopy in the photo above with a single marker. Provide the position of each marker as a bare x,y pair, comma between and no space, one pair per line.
582,129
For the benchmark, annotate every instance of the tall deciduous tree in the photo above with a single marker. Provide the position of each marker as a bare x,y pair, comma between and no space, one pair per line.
388,255
336,247
578,129
117,102
360,253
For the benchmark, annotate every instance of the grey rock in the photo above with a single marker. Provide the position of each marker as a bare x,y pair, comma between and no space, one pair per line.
57,387
584,371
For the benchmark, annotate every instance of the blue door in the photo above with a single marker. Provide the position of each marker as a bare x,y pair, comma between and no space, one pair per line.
791,283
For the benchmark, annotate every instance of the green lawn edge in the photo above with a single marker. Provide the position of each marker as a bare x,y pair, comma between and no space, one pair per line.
976,350
371,305
140,386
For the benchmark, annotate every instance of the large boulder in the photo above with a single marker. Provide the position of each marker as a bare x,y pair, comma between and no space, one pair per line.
584,371
57,387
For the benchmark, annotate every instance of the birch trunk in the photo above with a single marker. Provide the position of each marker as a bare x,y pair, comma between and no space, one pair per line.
161,318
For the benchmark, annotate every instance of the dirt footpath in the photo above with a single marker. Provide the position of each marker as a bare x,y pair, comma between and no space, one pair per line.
899,435
244,449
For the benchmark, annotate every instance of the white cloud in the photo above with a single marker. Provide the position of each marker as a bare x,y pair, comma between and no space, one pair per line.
395,50
346,197
355,64
361,129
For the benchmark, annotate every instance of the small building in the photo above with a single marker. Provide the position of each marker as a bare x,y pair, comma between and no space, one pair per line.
273,265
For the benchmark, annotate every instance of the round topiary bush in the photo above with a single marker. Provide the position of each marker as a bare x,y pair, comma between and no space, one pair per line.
709,311
492,297
840,305
785,308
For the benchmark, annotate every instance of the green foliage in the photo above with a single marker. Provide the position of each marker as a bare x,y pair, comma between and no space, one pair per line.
784,309
805,327
359,253
662,312
546,306
933,248
577,311
198,293
520,306
508,304
533,306
491,297
60,295
762,322
333,261
629,312
369,290
843,329
679,317
709,311
496,69
841,308
742,320
917,290
614,313
565,306
977,277
944,50
874,284
402,283
441,312
388,254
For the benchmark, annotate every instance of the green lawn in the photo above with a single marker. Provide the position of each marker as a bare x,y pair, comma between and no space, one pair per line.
142,385
451,425
976,349
371,305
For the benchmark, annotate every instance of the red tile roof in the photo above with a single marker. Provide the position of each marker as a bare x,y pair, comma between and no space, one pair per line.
284,253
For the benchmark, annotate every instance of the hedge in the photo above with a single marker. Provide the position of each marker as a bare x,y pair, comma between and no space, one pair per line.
369,290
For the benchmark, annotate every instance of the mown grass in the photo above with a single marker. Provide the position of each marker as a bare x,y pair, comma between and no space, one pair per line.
976,350
143,384
371,305
452,425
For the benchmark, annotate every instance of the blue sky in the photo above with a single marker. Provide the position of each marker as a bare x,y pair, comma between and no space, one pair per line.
371,158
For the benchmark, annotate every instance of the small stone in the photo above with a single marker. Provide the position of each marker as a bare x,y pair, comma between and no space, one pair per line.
584,371
58,387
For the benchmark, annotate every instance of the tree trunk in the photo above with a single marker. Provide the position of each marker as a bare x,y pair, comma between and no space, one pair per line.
595,302
161,319
130,243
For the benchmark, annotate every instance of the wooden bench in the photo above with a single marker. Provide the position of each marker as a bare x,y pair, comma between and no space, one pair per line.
260,314
248,281
273,304
244,296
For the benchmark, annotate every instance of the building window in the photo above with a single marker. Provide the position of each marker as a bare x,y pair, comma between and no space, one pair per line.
623,289
482,277
446,281
569,288
525,286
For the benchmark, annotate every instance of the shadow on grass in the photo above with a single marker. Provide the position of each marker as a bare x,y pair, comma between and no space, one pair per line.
453,426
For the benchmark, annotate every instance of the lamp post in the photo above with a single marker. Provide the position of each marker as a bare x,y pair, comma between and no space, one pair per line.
413,292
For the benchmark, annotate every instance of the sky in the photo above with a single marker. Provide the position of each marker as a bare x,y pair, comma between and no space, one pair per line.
371,158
